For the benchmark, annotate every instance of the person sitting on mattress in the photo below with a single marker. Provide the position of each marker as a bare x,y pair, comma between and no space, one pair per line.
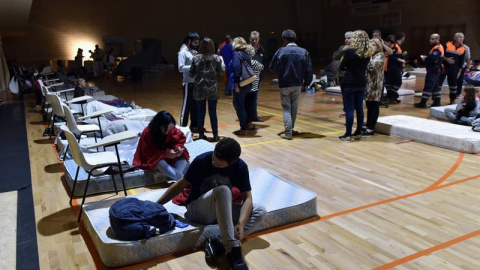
211,176
467,108
162,147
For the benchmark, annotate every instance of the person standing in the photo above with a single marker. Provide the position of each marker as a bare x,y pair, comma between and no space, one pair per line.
240,56
354,64
205,69
387,50
433,64
185,58
294,68
466,65
261,58
453,62
375,70
251,99
98,55
396,63
226,52
338,56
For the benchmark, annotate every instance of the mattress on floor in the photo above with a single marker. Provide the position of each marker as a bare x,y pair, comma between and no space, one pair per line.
138,178
401,92
419,72
439,112
443,134
411,77
285,202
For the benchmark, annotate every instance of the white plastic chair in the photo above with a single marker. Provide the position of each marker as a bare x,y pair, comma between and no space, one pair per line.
46,108
90,162
78,130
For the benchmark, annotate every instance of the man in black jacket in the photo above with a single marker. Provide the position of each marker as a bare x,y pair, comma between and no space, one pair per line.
294,68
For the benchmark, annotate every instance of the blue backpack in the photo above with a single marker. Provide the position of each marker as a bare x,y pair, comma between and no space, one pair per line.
132,219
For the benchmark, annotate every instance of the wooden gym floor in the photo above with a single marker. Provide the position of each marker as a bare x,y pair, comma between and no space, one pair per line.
383,202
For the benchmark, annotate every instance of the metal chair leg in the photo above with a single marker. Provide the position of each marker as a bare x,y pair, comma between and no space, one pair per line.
114,184
74,184
84,195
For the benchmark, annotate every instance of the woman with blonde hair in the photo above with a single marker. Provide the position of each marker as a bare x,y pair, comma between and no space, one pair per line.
373,98
240,56
354,64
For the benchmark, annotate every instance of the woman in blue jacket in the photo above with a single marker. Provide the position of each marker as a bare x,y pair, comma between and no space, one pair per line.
239,56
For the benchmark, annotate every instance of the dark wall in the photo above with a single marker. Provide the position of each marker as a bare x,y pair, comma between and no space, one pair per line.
57,27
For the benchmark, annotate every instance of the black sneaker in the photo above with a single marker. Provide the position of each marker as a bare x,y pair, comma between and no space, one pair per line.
258,119
213,249
420,105
235,259
368,133
346,137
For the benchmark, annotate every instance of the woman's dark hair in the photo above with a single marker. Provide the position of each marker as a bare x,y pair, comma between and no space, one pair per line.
390,38
207,48
469,93
162,119
227,149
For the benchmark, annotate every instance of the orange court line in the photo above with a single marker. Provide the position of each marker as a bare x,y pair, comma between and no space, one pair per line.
452,170
437,185
348,211
428,251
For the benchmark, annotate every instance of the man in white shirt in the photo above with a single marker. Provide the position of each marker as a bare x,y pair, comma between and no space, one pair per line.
185,58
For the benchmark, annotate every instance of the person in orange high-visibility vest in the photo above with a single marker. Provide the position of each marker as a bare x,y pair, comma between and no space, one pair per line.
395,65
433,64
453,63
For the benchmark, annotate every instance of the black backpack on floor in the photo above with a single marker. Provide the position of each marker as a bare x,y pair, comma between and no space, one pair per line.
132,219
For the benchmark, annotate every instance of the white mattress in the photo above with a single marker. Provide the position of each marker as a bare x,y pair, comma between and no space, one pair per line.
138,178
401,91
443,134
409,78
439,112
419,72
285,203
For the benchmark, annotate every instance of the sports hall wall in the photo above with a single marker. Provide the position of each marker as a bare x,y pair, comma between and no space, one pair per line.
57,27
417,18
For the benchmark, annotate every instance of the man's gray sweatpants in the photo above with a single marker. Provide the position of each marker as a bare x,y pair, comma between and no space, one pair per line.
290,99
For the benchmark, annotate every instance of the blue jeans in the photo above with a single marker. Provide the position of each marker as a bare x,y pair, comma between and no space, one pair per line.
353,97
212,112
174,172
239,103
251,106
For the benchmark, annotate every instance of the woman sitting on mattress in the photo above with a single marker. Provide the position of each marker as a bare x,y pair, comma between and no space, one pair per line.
467,109
162,147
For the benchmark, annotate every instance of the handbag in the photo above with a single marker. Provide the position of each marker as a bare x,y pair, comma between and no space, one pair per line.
247,76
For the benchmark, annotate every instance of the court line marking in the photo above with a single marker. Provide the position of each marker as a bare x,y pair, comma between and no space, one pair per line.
428,251
449,172
377,185
363,207
436,186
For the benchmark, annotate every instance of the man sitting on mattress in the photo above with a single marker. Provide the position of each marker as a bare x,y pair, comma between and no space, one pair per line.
212,176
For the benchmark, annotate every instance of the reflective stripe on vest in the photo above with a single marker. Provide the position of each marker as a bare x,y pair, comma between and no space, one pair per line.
453,50
397,49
